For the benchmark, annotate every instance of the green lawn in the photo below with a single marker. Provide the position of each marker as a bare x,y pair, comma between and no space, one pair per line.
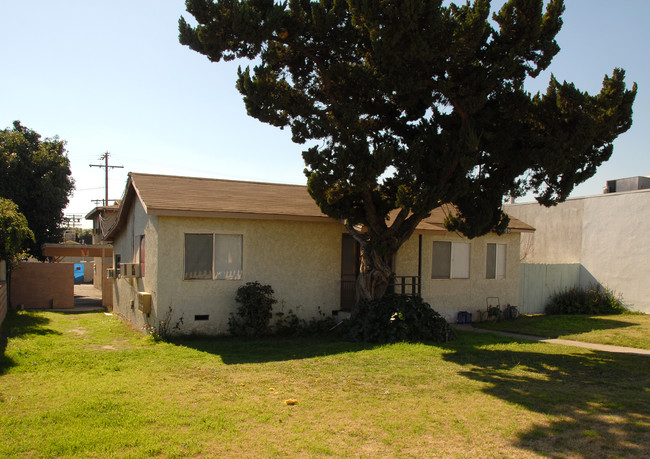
85,385
631,330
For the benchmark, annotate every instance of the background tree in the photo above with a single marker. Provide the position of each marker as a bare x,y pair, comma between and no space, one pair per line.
411,105
14,231
35,174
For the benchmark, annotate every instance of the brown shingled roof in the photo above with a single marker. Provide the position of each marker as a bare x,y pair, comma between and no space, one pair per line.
169,195
201,197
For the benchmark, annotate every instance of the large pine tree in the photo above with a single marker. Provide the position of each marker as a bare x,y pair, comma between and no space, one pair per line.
412,105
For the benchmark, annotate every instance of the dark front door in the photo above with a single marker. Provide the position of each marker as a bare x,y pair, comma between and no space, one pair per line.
349,271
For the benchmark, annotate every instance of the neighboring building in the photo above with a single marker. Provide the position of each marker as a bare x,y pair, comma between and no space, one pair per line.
601,239
103,218
184,245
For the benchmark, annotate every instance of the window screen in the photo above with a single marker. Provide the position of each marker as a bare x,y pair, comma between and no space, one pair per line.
496,261
198,256
228,256
441,260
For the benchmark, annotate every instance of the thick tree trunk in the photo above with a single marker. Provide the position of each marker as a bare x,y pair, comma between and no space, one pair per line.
374,274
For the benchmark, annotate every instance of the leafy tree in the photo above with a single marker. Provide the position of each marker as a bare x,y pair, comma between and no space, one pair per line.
410,105
35,174
13,232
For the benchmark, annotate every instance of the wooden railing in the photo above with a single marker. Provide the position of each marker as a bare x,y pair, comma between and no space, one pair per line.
401,285
406,285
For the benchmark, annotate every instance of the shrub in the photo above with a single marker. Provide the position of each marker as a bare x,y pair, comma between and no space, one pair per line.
288,324
254,311
593,301
398,318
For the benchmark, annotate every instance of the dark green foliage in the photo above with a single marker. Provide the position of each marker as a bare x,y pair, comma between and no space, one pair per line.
288,324
254,311
35,174
13,231
411,105
595,300
493,312
398,318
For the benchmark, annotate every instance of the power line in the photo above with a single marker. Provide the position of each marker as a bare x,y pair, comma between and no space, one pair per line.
106,168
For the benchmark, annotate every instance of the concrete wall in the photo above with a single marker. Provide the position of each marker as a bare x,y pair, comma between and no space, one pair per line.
107,286
43,285
606,235
449,296
558,232
100,265
89,271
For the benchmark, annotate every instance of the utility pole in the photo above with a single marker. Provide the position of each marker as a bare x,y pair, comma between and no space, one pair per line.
106,167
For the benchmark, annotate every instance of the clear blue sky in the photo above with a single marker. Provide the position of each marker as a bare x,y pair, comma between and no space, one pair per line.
111,76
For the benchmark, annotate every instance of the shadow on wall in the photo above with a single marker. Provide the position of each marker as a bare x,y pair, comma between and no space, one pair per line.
538,282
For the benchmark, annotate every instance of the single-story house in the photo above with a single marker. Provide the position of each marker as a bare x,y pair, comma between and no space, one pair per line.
182,246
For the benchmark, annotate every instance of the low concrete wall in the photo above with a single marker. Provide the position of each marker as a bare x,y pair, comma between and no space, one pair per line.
89,272
43,286
107,288
538,282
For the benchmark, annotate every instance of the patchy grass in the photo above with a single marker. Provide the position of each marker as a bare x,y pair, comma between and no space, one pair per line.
88,386
630,330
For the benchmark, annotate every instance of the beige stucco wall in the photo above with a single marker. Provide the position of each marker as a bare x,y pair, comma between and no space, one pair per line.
300,260
607,235
125,290
449,296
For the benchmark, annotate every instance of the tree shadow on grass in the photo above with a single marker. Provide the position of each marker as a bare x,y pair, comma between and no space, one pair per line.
22,323
597,404
556,326
272,349
18,324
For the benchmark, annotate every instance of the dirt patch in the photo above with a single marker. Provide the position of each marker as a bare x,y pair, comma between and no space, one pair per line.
114,346
79,331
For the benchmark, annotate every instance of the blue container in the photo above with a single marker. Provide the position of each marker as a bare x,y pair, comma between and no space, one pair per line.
78,273
464,317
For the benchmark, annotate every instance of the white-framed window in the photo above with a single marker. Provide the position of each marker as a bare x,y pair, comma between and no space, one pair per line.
495,267
450,260
213,256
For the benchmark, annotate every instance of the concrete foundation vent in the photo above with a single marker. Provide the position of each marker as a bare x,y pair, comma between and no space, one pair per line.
627,184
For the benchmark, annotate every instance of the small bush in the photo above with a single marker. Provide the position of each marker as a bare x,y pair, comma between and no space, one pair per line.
398,318
288,324
254,311
594,300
